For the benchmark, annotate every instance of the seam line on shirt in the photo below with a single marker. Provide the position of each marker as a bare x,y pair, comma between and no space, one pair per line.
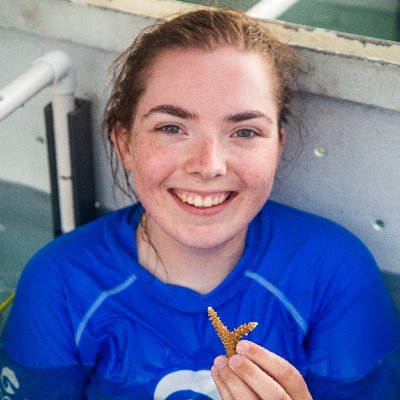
281,297
98,302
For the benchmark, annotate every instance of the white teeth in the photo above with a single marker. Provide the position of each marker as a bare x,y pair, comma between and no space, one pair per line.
198,201
207,202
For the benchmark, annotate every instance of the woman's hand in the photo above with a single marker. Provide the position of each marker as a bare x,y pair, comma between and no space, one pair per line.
256,373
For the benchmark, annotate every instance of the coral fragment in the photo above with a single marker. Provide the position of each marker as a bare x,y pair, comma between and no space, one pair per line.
229,339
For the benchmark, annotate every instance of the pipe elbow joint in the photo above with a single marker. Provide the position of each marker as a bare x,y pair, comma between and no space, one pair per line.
61,65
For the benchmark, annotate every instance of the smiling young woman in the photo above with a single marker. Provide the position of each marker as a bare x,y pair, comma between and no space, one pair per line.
201,167
196,119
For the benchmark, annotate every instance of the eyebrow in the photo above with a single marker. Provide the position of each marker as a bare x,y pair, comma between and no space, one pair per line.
246,115
170,109
181,112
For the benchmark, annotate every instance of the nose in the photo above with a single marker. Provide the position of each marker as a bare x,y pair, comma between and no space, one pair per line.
207,159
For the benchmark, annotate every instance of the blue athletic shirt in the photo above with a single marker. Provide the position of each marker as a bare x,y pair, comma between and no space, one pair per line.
89,322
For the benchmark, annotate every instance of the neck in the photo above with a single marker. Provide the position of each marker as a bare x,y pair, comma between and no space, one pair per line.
200,269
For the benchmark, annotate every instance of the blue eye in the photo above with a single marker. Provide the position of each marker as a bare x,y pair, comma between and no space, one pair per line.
170,129
245,133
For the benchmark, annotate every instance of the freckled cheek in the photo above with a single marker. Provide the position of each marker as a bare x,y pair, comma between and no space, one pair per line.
261,185
258,178
258,175
151,169
264,173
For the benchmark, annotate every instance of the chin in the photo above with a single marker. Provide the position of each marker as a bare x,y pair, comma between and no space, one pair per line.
204,244
210,240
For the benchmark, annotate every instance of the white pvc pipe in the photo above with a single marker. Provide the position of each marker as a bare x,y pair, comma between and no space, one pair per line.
53,68
24,87
271,9
62,104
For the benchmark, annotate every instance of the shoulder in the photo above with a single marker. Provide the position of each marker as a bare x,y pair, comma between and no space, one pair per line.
284,216
96,250
299,227
93,237
306,253
90,233
64,278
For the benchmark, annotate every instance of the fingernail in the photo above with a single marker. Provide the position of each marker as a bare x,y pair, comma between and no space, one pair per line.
235,361
243,346
214,371
220,362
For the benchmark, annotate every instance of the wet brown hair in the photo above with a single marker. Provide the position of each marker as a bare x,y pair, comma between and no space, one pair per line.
208,30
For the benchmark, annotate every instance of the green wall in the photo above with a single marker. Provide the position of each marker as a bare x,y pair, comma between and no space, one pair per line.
374,21
236,4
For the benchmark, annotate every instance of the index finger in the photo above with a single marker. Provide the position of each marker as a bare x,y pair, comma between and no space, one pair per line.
276,367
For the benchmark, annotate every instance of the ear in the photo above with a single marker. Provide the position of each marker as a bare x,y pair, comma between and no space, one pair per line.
122,140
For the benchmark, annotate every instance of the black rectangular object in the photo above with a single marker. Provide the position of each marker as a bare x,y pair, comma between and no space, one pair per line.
80,138
51,155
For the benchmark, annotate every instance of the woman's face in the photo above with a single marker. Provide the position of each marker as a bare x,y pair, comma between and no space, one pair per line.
204,146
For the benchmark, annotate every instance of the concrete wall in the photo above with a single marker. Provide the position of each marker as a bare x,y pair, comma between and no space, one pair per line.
350,107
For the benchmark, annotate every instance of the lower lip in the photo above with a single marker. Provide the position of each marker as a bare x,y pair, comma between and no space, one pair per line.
204,211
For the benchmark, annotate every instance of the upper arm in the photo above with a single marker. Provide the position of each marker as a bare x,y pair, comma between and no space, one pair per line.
38,331
355,326
38,356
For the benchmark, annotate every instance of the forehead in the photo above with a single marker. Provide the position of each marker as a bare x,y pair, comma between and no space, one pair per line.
223,75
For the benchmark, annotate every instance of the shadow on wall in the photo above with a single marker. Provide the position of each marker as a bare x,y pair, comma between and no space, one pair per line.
25,226
393,282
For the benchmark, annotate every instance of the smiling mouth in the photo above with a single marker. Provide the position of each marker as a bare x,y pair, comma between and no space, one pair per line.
201,201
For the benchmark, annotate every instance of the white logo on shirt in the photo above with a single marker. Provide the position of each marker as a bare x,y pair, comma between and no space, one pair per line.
197,381
9,383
